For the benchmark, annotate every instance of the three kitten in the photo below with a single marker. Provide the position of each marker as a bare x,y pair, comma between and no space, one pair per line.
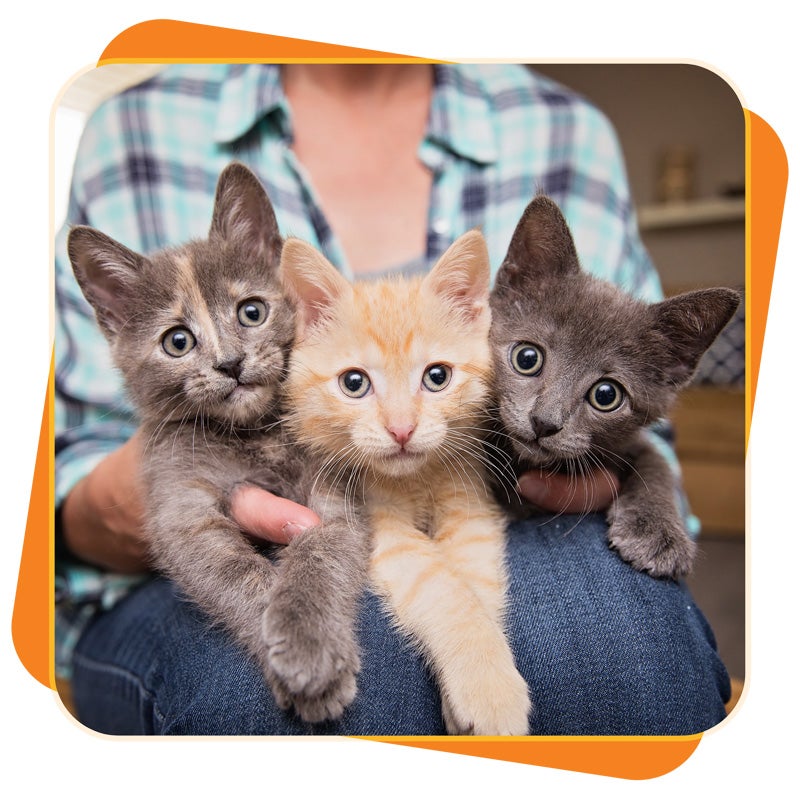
251,360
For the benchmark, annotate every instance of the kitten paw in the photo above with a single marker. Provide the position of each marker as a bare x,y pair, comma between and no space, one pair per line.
653,544
312,665
330,705
488,707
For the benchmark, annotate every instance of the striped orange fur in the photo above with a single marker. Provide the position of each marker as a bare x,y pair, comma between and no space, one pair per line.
389,381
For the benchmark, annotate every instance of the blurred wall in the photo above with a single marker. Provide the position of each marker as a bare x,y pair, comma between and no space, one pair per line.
659,106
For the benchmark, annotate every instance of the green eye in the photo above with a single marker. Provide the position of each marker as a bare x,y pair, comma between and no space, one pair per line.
606,395
354,383
526,358
252,312
436,377
178,342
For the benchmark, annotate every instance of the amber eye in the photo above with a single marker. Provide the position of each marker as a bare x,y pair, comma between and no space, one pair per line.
527,358
436,377
252,312
354,383
606,395
178,342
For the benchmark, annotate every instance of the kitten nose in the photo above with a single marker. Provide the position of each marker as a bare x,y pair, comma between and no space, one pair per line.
232,368
542,429
401,433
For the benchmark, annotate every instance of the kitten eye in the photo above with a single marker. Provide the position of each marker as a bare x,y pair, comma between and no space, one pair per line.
178,342
606,396
527,358
252,312
436,377
355,383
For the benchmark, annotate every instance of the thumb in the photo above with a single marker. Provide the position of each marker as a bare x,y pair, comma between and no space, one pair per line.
267,516
569,494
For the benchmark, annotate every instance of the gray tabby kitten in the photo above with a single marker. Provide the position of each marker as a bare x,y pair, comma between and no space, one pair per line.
582,368
202,335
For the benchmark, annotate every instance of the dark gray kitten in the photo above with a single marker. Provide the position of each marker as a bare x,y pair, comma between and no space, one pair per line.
202,335
582,368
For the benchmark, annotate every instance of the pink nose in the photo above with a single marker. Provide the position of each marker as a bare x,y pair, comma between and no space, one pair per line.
401,433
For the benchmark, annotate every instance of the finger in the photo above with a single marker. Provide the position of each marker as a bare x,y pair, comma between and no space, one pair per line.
569,494
269,517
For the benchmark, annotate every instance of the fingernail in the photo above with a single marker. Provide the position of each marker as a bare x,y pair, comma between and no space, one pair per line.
292,529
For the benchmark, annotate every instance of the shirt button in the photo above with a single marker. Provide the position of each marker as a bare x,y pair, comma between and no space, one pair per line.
440,226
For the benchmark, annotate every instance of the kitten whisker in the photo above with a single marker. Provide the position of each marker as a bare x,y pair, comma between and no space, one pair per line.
502,471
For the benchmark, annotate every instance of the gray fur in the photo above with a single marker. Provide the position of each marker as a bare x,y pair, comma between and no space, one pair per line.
588,330
294,613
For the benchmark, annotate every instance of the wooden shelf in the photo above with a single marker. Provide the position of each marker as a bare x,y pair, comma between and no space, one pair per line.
709,442
707,211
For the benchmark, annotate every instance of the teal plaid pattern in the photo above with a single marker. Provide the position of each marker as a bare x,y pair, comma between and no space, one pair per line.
146,172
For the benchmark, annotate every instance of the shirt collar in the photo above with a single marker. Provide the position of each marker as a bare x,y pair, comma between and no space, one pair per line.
461,115
249,93
460,118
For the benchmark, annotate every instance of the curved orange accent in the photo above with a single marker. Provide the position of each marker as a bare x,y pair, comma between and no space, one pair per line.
635,758
33,603
767,178
165,40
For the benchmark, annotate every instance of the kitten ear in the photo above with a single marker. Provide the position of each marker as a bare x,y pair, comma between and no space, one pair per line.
461,276
690,322
541,246
107,273
243,212
312,280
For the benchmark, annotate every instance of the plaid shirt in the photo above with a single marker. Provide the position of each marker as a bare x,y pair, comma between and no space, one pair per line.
146,173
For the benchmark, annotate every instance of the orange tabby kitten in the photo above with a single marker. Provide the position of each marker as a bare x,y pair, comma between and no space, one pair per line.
390,380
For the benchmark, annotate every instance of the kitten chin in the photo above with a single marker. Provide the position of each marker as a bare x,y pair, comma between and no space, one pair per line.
246,404
400,464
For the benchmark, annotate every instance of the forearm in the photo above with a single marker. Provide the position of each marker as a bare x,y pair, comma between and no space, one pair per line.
101,517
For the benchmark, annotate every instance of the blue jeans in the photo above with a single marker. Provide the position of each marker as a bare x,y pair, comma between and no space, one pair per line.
604,649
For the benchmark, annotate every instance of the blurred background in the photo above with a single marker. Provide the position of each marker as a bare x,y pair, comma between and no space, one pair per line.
682,131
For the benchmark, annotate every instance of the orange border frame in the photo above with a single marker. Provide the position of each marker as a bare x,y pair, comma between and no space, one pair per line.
623,757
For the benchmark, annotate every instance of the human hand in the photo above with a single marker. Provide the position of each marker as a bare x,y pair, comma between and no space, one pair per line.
102,515
569,494
266,516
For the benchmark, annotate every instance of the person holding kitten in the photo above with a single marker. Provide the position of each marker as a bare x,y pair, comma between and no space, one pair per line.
381,167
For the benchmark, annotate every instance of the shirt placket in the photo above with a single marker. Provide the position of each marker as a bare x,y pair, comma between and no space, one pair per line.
458,200
323,235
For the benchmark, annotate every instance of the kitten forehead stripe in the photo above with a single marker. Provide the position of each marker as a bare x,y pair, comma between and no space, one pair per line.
194,299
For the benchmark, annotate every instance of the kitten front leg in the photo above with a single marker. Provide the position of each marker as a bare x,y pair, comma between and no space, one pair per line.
203,551
462,639
309,624
472,541
645,525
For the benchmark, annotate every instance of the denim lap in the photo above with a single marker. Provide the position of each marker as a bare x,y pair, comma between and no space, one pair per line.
604,649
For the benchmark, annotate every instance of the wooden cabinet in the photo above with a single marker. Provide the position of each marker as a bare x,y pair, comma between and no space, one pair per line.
710,443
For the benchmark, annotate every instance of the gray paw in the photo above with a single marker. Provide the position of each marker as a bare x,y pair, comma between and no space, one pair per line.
329,705
312,666
652,543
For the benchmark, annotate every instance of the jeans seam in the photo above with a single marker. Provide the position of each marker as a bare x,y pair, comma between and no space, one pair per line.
126,674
